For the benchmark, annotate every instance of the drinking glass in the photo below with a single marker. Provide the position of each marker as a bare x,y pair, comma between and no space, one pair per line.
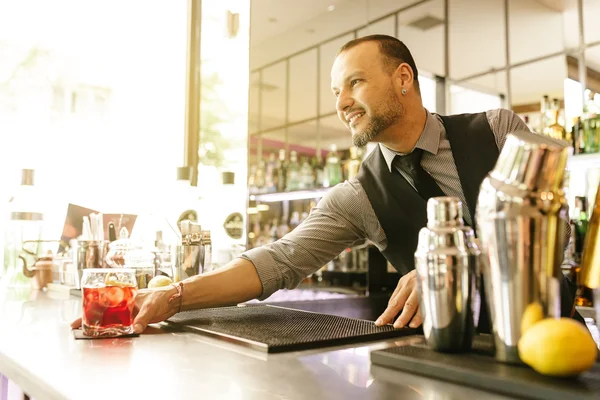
108,300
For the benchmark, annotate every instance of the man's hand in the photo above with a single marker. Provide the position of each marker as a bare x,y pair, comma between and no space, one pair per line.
151,306
404,298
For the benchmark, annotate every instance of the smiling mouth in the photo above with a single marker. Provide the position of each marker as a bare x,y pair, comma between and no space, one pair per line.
355,118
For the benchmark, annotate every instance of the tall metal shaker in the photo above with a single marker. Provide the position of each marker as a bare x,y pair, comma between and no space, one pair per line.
590,261
522,234
193,256
447,265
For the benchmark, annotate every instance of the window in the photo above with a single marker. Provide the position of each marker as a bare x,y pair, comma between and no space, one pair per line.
466,100
428,92
94,104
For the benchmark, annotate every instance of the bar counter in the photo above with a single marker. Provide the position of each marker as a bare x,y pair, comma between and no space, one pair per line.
39,354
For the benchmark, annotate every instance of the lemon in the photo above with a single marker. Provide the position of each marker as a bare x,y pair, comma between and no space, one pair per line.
159,281
112,280
558,347
533,314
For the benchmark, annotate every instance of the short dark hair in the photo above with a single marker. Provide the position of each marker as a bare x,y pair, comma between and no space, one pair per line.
394,50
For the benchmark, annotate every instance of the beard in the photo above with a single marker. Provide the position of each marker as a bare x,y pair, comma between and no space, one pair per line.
392,112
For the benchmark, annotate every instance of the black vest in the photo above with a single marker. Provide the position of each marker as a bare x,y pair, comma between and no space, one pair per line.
402,212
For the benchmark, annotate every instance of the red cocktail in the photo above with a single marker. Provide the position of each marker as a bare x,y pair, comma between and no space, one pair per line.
108,300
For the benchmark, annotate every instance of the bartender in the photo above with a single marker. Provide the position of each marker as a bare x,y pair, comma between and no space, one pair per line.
420,155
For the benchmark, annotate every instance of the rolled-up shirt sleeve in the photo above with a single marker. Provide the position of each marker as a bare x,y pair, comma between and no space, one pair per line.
333,225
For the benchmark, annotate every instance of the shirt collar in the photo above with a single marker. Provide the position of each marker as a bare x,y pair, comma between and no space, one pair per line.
428,141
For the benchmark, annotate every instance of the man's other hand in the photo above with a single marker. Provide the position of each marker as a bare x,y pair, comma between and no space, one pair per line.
404,298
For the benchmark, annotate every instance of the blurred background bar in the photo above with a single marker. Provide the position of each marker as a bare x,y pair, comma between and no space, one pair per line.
222,113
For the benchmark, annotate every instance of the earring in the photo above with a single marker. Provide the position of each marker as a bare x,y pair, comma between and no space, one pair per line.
404,92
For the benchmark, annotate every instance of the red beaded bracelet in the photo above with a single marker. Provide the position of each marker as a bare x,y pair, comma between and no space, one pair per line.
179,294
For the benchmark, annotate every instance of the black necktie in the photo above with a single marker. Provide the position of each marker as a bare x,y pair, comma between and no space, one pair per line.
423,182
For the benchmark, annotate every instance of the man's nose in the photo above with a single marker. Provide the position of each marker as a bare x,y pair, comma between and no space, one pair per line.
344,101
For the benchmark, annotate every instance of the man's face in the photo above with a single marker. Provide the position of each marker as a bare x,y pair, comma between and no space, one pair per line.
366,100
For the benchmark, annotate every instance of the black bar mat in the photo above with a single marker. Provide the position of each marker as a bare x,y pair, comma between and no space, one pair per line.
480,370
277,329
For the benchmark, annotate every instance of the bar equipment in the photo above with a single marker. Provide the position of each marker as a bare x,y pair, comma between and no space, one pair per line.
521,217
589,275
127,253
38,268
40,271
194,254
447,265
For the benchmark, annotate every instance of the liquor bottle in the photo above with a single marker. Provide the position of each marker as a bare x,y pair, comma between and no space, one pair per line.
252,180
259,180
555,130
581,225
352,165
577,135
283,228
294,220
225,221
319,173
570,266
274,233
254,236
526,120
270,174
591,125
544,107
307,179
333,168
281,171
589,274
25,223
293,173
184,197
303,216
591,106
591,130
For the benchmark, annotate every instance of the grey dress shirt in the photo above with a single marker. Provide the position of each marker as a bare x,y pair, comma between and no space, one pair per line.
344,216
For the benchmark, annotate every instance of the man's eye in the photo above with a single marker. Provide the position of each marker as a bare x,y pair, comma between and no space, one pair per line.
353,82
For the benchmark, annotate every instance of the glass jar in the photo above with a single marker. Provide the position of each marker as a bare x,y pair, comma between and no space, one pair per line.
126,253
142,261
115,258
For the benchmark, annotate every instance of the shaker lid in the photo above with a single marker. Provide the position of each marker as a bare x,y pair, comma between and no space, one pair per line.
532,162
444,211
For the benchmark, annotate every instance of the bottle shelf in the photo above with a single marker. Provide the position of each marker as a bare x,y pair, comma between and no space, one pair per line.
584,161
293,195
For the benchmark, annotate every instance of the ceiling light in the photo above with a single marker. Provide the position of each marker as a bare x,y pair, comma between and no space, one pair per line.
426,22
331,8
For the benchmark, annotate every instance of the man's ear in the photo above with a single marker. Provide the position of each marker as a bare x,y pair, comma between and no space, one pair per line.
405,75
402,77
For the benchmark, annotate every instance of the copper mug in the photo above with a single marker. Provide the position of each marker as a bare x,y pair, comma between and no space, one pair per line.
41,271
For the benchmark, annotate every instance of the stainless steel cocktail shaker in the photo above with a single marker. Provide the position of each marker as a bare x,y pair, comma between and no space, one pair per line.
194,255
522,234
447,264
